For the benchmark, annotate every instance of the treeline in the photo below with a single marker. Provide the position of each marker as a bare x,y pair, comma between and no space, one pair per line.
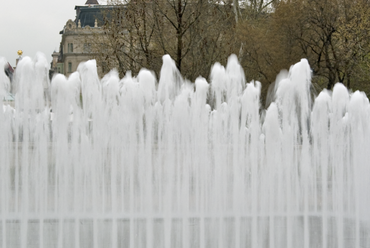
266,35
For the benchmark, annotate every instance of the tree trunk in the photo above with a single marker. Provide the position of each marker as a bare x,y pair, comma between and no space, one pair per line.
179,35
331,80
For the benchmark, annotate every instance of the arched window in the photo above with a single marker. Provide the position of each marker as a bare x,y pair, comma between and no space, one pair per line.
70,47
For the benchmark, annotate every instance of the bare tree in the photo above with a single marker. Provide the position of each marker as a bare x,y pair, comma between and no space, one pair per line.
195,34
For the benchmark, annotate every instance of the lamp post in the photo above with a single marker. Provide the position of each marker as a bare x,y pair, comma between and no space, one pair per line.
19,52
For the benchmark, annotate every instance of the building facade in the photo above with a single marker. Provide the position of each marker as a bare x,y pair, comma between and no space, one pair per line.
77,37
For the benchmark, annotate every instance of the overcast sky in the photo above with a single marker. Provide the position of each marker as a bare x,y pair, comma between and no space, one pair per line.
33,26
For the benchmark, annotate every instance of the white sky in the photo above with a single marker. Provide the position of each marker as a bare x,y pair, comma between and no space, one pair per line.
33,26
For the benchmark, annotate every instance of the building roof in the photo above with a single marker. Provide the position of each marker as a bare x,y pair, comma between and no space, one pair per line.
9,71
92,2
10,68
88,15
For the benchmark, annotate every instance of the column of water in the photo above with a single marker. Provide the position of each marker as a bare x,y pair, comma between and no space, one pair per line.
187,165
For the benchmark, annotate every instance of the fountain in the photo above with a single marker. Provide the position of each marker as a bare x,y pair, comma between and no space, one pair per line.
131,164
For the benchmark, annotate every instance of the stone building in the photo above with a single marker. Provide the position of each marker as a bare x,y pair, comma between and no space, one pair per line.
77,36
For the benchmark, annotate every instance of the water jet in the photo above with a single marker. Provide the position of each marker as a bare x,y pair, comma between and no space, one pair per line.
137,165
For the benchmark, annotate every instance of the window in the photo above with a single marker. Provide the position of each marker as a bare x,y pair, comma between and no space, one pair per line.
60,67
70,47
69,66
87,48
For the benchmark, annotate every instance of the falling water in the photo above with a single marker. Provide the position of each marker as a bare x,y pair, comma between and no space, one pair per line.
129,163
